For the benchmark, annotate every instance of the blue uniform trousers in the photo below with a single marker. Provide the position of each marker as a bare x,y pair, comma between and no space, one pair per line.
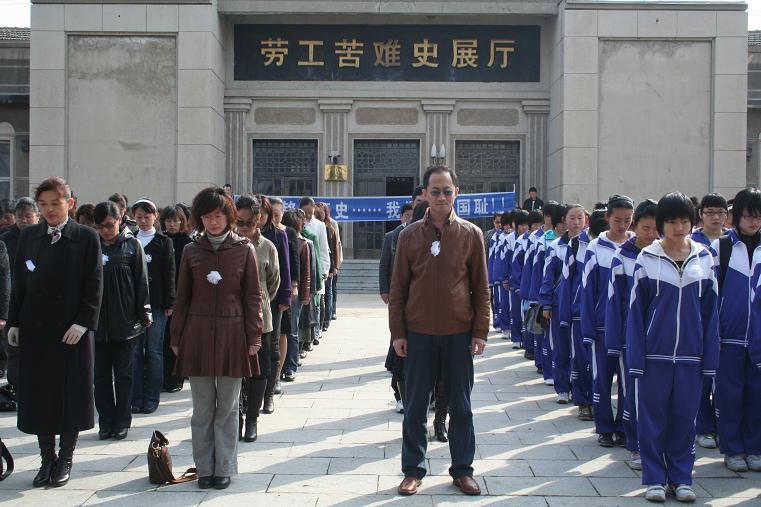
738,402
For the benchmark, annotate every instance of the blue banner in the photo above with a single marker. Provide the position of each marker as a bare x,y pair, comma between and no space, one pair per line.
381,209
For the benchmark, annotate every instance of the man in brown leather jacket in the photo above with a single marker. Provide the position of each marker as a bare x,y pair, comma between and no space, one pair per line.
439,319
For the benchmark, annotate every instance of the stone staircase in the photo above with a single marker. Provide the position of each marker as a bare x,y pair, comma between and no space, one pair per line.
358,276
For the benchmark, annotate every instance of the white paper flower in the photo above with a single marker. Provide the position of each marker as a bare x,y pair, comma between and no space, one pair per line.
436,248
105,259
214,277
30,265
148,258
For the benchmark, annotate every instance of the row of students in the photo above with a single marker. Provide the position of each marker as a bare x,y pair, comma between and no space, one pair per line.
637,293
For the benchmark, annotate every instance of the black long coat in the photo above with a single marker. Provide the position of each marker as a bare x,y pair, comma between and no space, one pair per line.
55,286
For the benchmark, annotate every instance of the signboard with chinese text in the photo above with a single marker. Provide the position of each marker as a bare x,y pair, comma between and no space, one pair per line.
470,53
381,209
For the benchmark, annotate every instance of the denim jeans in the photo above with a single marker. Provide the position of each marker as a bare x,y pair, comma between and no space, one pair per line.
292,356
149,364
328,313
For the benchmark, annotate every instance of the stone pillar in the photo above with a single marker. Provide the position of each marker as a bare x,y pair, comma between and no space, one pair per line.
537,148
437,113
237,172
336,127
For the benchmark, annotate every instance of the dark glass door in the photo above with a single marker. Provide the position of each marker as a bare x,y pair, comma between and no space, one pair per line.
285,167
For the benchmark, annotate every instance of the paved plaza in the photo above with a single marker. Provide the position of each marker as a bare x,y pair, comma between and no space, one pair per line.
335,439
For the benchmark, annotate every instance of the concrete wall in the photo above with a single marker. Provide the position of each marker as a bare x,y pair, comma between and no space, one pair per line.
193,130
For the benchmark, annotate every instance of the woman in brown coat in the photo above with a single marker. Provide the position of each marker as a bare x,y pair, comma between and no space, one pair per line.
216,332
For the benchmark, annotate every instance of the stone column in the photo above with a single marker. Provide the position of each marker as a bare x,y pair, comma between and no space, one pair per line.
537,159
437,113
336,127
237,171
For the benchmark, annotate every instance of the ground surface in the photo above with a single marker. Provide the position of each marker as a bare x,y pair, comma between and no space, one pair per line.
334,439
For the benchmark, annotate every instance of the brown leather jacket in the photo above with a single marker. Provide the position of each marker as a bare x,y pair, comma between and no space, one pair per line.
213,325
440,294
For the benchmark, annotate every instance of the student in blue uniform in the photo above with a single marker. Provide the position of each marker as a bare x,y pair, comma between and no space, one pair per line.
494,239
738,381
520,276
594,298
520,227
617,309
503,259
537,233
572,218
672,338
569,314
713,213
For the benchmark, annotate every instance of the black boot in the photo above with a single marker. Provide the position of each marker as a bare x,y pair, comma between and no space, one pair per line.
47,452
63,466
257,388
440,430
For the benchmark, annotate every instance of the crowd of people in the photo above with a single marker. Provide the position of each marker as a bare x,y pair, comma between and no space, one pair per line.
104,306
665,297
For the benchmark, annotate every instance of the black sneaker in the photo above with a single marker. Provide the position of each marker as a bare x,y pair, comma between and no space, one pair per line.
529,354
289,376
606,440
619,439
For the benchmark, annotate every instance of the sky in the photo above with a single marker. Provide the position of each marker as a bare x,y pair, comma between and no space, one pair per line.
16,13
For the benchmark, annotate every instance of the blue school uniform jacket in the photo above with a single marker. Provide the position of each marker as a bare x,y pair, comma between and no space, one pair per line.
494,241
594,284
673,313
553,272
735,294
519,257
700,236
569,290
532,243
754,342
502,259
619,291
540,256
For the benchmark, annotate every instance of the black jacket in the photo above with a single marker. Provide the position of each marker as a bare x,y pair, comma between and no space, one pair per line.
159,255
5,282
125,309
10,238
388,252
293,258
179,242
530,205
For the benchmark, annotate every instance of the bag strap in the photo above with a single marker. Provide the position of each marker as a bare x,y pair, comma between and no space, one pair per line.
6,456
725,252
191,474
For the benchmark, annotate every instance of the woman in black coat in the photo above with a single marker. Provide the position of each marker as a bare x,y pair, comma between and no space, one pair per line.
149,353
55,304
174,223
124,314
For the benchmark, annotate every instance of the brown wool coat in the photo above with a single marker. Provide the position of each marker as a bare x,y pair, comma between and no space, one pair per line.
213,325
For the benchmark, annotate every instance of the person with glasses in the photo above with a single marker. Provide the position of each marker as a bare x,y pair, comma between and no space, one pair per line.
55,305
713,213
252,392
672,342
439,320
125,313
738,380
216,332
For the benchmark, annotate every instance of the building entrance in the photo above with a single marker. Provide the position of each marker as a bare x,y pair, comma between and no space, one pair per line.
285,167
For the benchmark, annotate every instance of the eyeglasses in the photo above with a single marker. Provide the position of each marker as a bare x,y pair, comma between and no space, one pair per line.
752,217
105,226
448,192
719,213
247,223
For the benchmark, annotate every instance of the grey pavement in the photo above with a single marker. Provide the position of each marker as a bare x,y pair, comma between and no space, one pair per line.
335,439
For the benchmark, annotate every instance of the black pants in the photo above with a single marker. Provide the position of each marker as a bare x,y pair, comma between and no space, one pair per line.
449,359
113,383
170,381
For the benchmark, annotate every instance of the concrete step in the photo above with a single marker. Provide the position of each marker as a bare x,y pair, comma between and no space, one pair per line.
358,276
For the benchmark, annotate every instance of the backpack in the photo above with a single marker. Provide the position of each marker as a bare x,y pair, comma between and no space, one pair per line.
725,252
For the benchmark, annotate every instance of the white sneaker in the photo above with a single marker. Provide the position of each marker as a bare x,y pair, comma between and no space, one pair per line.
684,493
399,407
736,463
754,462
635,462
549,382
562,398
655,493
707,441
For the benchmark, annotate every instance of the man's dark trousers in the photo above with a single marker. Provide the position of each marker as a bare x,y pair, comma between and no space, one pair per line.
449,358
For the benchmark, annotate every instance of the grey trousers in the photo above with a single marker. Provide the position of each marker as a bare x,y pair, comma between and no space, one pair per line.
214,425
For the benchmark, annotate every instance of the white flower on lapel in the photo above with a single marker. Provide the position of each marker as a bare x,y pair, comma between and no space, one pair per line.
30,265
436,248
148,258
214,277
105,259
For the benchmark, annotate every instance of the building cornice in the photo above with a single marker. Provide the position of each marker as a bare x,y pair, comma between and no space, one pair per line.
650,5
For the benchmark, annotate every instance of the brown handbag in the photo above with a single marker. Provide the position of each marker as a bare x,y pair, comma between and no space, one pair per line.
160,463
5,456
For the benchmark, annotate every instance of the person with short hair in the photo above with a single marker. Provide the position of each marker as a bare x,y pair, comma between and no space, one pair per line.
738,380
533,203
55,305
216,332
672,340
125,313
440,264
85,214
521,284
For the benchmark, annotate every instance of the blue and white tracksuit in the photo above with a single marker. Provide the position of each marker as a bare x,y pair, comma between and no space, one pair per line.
536,340
594,298
516,301
493,267
738,380
754,336
672,339
616,312
706,420
560,344
569,311
544,360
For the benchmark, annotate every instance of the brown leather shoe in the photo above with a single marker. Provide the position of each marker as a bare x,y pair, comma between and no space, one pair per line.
468,485
409,486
